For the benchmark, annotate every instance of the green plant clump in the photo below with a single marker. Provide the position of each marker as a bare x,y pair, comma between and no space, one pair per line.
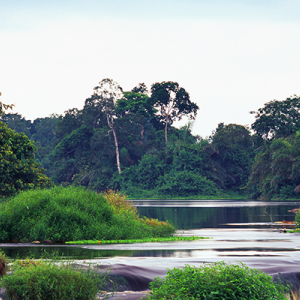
41,280
217,281
71,214
145,240
297,220
3,264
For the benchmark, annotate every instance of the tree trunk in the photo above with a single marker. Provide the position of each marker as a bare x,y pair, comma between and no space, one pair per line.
117,149
111,126
166,132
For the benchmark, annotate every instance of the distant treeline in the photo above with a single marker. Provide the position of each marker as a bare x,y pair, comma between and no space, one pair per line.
125,141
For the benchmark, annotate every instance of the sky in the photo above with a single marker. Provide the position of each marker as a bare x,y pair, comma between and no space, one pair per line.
231,56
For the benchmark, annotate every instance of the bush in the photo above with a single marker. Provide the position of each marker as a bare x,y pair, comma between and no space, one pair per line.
72,214
57,214
216,281
297,219
3,263
47,281
185,183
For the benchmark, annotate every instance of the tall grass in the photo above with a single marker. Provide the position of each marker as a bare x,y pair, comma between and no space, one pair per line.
74,213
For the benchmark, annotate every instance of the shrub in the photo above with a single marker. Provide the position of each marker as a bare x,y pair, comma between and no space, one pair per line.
3,263
297,219
120,204
185,183
57,214
48,281
216,281
72,214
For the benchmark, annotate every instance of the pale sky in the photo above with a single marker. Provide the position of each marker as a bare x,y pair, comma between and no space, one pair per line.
231,56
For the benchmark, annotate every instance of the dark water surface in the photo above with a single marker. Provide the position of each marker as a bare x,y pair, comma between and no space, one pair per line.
216,213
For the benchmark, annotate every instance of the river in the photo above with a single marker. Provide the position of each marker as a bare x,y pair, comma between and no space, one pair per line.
242,231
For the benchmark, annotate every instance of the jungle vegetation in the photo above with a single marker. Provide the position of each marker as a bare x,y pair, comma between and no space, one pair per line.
126,141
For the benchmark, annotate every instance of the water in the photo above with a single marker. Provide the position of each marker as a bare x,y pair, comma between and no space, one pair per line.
187,215
241,231
217,213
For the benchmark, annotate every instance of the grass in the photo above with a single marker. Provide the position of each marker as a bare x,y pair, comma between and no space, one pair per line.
53,279
65,214
146,240
297,230
216,281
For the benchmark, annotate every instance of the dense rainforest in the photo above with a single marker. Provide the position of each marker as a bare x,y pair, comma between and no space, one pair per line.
126,141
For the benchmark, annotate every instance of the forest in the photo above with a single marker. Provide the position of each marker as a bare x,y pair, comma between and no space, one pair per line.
126,141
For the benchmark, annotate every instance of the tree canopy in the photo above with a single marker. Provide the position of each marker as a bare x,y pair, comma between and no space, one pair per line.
277,118
172,102
18,168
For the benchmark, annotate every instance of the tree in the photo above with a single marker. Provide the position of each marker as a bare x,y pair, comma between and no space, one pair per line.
172,102
4,107
235,153
135,109
276,170
17,123
18,169
277,118
141,88
108,92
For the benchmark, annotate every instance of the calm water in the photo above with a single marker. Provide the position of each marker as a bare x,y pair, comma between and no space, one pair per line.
195,214
225,218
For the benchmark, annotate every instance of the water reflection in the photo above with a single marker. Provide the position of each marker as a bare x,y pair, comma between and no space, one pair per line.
226,218
216,214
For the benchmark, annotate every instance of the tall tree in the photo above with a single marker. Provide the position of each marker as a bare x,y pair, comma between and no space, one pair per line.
277,118
108,92
135,109
172,102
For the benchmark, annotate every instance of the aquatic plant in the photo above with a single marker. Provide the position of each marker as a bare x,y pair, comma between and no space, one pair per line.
216,281
145,240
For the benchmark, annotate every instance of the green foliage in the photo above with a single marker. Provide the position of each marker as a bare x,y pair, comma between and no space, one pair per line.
3,264
144,175
66,214
185,183
297,220
278,119
18,169
234,154
41,131
216,281
145,240
172,102
45,280
275,172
